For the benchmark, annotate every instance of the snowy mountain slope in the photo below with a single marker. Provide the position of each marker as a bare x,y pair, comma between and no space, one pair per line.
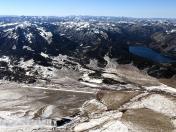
83,39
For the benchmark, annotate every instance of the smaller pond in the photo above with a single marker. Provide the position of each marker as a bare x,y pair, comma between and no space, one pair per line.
150,54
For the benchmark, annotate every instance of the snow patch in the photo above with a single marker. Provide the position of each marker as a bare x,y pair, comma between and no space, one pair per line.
112,126
12,35
14,47
8,24
158,103
111,63
112,76
26,64
44,55
93,64
5,59
27,48
91,80
77,25
90,84
45,71
29,37
96,122
93,106
48,111
23,25
46,35
162,87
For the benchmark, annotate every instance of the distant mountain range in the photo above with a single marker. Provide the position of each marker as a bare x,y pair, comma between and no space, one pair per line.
33,48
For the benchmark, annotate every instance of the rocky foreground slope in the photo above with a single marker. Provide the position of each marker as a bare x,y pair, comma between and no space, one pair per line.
65,104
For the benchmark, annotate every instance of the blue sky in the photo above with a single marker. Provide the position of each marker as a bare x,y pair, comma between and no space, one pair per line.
129,8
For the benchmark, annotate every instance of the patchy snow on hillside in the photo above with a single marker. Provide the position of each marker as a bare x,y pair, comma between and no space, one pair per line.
29,37
26,64
111,63
23,25
173,31
112,126
86,77
93,123
46,35
156,102
12,29
112,76
8,24
5,59
93,107
93,64
11,34
9,30
162,87
45,72
76,25
82,25
48,111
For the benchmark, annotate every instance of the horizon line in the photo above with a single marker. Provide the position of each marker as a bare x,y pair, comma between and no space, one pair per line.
87,16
